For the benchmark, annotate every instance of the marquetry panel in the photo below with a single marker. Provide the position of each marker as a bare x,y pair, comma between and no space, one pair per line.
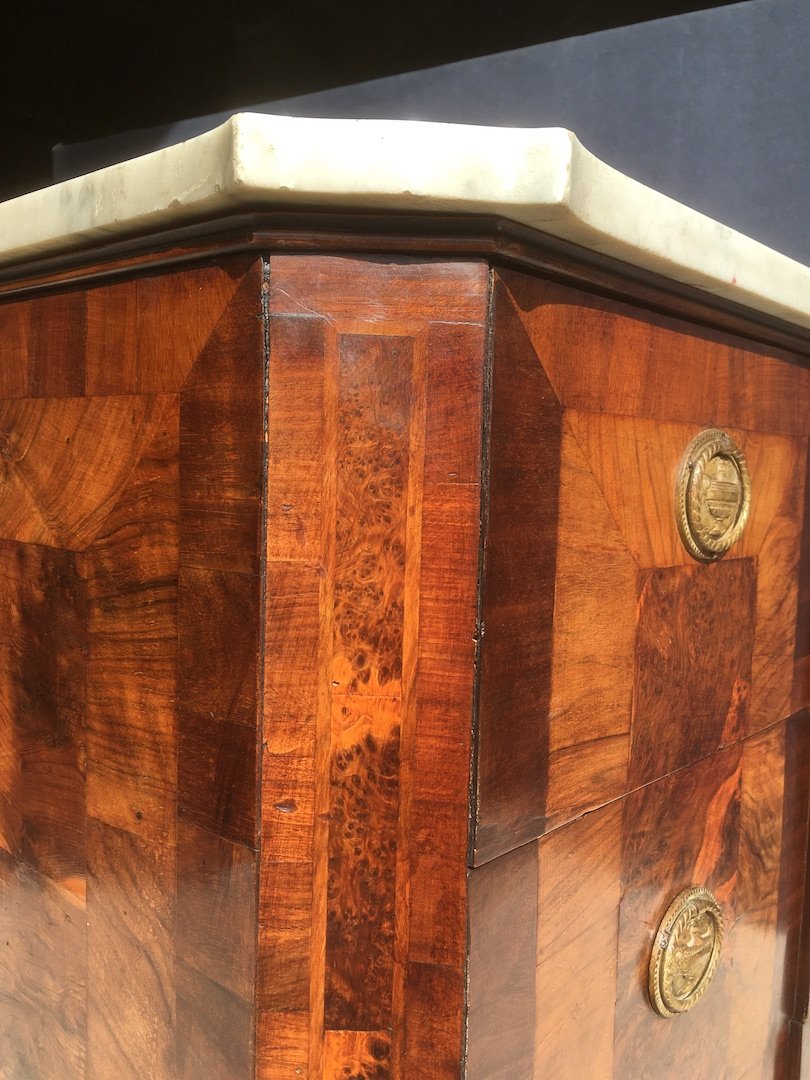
602,355
567,923
361,710
373,502
635,658
128,688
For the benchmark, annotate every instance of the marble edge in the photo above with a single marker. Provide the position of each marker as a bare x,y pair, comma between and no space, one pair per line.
541,178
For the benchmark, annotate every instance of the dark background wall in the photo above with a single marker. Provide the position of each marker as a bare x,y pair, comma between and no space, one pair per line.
79,71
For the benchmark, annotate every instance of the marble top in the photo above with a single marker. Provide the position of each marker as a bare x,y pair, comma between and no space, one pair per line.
541,178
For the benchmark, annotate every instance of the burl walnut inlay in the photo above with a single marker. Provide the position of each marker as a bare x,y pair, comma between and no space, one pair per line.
361,709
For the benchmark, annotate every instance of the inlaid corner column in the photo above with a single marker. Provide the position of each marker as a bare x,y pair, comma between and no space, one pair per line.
375,383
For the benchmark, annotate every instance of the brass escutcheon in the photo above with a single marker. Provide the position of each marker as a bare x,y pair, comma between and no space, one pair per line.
686,952
712,495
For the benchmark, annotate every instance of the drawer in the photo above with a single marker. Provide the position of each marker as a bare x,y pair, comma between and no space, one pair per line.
611,655
563,928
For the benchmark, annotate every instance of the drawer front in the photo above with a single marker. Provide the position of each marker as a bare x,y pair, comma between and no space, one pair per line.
562,930
612,656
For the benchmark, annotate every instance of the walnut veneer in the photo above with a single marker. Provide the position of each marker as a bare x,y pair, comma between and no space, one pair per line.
361,710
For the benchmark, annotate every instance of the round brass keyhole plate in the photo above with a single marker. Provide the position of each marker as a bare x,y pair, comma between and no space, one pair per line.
686,952
712,495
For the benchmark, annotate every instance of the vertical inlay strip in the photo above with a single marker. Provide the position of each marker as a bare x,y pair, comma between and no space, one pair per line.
374,404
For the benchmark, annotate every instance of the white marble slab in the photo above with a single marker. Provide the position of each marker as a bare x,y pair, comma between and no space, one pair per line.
540,178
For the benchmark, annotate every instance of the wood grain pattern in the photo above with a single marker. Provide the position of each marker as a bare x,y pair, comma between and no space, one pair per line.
282,1048
56,361
773,660
504,999
372,521
693,677
144,335
291,914
373,382
517,592
433,1021
758,949
222,441
594,644
15,331
218,674
215,1029
43,975
219,629
437,743
801,673
636,463
216,909
43,650
677,832
47,448
131,574
109,911
130,956
577,942
217,703
602,355
138,336
365,1054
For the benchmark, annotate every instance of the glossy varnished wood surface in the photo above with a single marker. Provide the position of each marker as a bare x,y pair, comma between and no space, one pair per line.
375,428
583,903
794,905
293,559
128,806
639,672
518,589
663,699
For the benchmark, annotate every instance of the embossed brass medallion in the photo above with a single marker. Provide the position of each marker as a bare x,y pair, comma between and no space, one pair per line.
713,495
685,952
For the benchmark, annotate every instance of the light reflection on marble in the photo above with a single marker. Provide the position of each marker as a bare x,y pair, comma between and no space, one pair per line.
542,178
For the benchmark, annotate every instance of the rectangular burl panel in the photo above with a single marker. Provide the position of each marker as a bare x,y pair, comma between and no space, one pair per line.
131,442
693,676
609,656
376,394
282,530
